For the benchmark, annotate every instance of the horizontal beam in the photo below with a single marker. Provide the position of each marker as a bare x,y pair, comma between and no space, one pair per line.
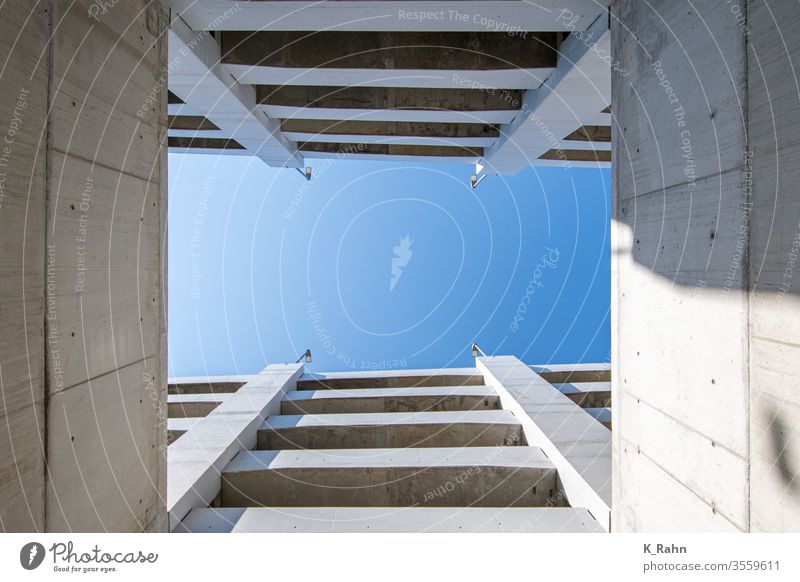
433,15
195,122
389,98
409,50
329,520
343,149
389,128
473,142
591,133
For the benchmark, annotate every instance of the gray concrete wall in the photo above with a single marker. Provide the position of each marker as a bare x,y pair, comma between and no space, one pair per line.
705,385
23,112
92,228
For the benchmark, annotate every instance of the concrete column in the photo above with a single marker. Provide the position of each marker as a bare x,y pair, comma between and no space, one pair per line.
705,335
83,227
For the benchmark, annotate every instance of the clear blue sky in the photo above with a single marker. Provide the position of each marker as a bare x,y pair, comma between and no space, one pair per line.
263,265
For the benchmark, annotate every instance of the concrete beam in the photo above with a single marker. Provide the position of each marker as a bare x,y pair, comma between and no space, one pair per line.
435,398
399,520
378,430
480,477
387,132
510,16
414,98
392,149
388,128
492,116
391,379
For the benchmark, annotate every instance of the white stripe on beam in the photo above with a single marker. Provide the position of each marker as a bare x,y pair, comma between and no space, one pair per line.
426,115
393,158
391,139
207,87
413,78
542,15
211,151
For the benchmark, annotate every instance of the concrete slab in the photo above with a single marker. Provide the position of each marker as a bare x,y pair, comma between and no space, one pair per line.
391,429
437,477
434,398
390,520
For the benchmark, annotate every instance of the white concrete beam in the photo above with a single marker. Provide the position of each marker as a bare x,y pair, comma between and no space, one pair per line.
579,446
416,78
389,139
423,115
436,15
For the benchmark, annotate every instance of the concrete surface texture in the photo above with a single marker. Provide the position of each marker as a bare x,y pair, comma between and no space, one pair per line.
704,298
82,222
322,469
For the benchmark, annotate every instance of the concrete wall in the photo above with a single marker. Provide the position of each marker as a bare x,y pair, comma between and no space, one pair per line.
96,217
23,113
705,385
774,133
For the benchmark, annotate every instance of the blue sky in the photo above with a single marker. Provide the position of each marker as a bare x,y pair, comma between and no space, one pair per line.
263,264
